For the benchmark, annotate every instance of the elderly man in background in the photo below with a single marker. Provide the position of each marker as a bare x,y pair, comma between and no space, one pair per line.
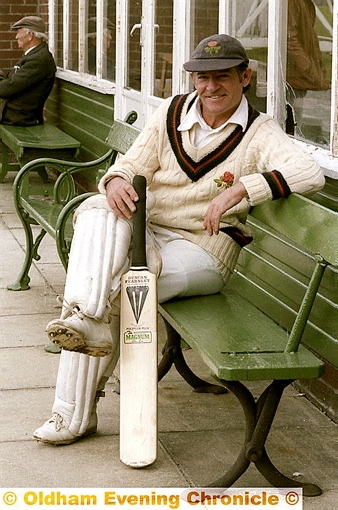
24,90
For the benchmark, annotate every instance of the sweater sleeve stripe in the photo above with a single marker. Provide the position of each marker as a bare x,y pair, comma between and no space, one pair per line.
237,236
278,185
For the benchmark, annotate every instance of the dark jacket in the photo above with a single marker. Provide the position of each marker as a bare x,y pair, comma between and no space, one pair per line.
24,90
305,69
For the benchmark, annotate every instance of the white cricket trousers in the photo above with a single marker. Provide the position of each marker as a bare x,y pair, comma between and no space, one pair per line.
187,269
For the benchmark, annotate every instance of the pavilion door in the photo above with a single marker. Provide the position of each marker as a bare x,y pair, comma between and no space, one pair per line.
144,56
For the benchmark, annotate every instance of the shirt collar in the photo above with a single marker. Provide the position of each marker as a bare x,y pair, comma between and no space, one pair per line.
30,49
194,116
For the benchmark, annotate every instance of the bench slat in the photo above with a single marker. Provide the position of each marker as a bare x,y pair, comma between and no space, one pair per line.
121,136
45,213
43,136
238,342
305,222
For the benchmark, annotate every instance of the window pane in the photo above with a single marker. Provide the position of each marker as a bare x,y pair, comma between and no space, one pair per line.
108,25
133,66
91,51
110,41
73,44
308,75
250,24
163,49
204,20
59,34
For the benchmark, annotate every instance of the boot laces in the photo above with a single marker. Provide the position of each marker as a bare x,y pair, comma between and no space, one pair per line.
70,309
57,419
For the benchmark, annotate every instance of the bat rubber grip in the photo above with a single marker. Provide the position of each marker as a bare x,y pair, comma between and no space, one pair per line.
139,258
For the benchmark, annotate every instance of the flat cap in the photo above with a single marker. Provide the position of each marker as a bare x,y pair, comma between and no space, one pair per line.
215,53
33,23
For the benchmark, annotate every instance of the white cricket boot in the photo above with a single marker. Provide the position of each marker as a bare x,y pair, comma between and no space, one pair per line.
77,332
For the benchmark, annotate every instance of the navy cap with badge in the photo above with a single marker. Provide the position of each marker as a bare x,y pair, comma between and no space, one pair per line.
215,53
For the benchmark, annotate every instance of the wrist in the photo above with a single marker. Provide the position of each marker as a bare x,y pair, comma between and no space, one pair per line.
239,191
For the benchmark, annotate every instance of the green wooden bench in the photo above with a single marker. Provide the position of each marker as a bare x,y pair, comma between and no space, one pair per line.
51,206
32,142
237,333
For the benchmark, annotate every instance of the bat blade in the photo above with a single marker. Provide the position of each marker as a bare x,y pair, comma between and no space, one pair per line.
138,367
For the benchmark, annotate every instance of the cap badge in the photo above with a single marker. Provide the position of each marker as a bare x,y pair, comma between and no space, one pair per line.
212,48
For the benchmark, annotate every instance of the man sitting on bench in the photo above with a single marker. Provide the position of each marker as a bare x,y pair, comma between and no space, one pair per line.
24,90
207,157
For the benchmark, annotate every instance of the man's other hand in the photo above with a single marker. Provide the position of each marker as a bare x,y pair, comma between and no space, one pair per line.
222,203
121,197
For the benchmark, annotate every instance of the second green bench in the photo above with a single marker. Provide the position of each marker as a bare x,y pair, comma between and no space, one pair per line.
32,142
52,209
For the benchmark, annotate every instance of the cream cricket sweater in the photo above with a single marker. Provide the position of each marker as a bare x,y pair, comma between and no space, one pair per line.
182,178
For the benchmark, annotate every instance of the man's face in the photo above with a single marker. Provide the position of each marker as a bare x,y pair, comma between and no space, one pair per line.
23,39
107,39
220,93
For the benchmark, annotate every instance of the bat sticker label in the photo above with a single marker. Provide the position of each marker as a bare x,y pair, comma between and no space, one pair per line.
137,295
137,337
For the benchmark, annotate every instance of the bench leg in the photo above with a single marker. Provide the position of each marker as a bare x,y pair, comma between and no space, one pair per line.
42,172
172,355
22,282
6,166
277,479
259,417
242,462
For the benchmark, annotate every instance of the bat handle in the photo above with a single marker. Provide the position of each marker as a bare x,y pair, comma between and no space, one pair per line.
139,258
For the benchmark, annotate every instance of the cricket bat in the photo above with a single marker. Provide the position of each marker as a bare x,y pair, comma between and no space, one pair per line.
138,341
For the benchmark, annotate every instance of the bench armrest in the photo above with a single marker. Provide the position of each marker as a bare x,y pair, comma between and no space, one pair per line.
64,187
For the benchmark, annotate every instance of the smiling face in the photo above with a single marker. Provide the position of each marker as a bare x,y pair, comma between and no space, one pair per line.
220,93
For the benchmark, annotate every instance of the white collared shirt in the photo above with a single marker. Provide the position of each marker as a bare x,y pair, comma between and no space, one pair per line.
199,131
30,49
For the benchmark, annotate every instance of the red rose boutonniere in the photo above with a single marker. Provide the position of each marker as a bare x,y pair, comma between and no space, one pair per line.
225,181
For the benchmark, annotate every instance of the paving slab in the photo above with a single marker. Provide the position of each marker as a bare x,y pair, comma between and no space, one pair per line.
25,330
96,465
